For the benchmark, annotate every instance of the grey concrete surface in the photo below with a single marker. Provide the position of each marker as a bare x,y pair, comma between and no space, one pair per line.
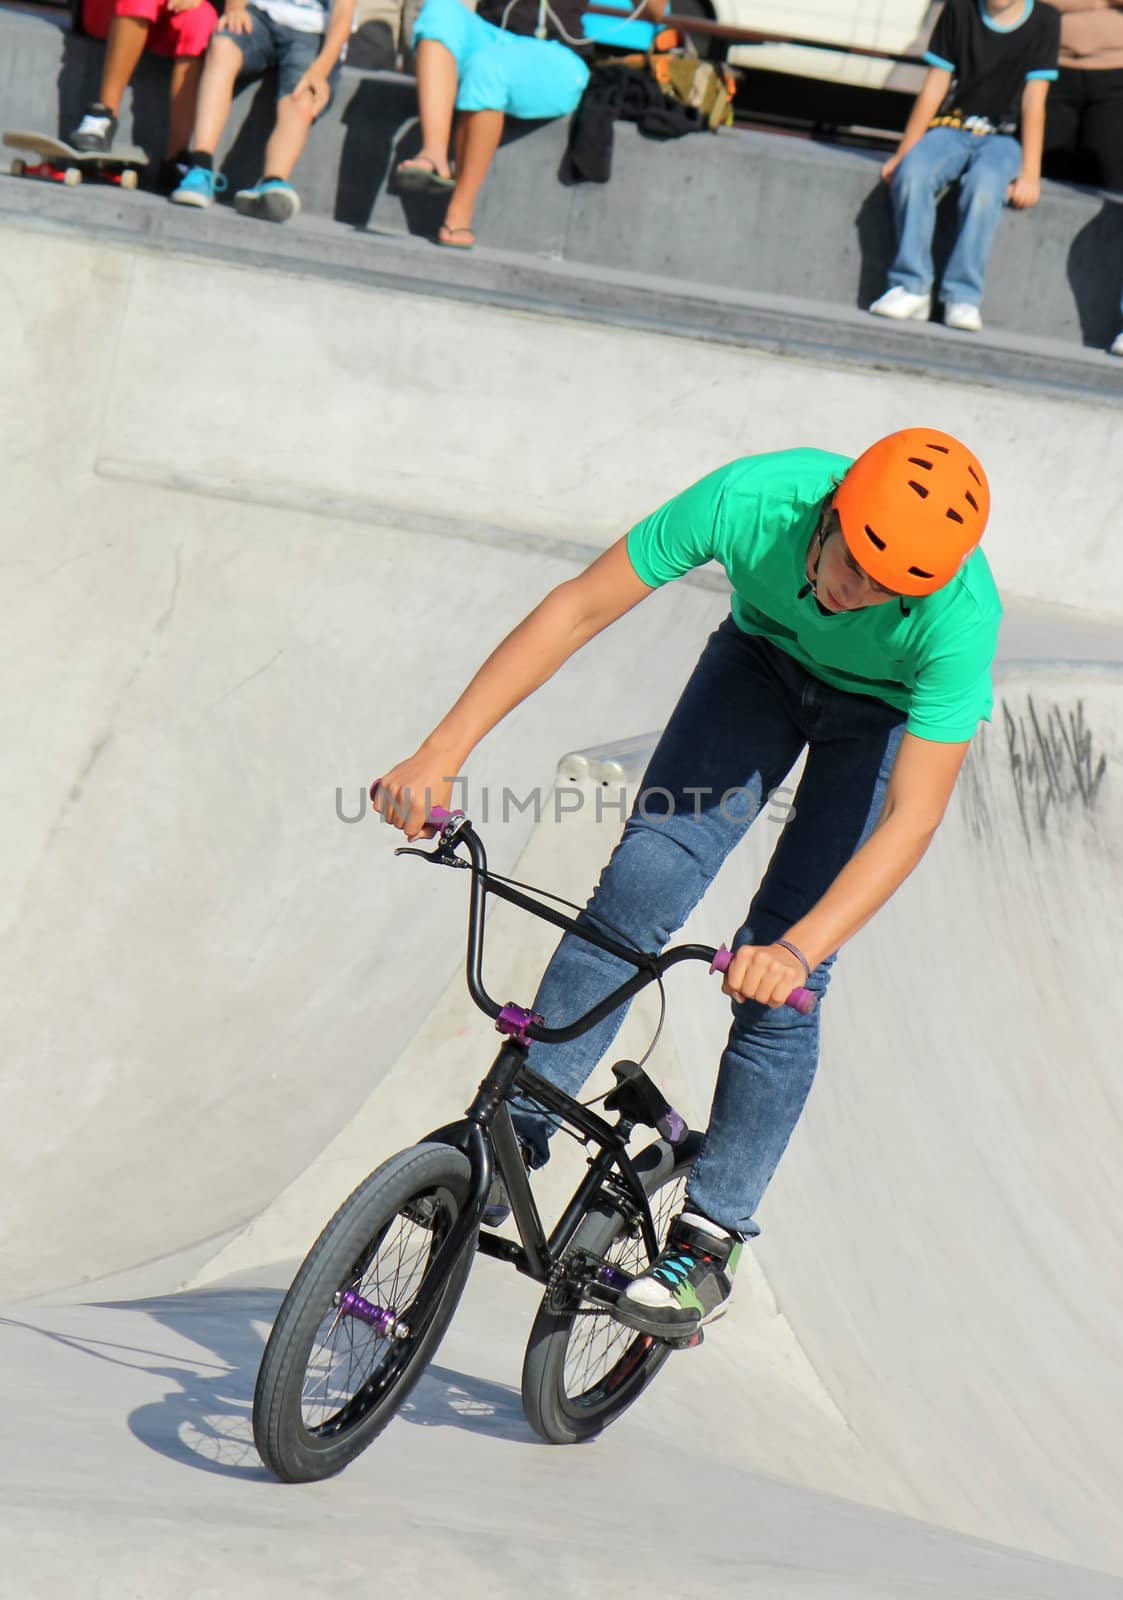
246,565
717,211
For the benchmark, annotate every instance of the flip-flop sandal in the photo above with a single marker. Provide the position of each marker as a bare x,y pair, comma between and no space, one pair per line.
421,175
446,237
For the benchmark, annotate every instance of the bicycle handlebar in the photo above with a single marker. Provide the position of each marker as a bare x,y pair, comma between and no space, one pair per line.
445,821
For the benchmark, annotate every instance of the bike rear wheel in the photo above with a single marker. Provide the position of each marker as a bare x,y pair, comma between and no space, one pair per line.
342,1356
582,1368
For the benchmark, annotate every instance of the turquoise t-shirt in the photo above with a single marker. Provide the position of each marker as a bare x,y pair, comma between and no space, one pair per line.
756,518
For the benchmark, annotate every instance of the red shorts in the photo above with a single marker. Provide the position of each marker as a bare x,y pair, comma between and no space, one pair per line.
173,33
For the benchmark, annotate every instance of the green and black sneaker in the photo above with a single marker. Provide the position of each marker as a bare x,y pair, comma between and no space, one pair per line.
689,1285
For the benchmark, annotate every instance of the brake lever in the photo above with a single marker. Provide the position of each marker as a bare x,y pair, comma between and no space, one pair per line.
440,857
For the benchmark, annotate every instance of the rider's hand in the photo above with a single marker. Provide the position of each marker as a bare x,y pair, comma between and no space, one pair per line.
408,792
763,972
235,19
890,167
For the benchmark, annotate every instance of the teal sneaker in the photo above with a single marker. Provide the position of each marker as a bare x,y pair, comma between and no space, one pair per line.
688,1286
198,187
271,199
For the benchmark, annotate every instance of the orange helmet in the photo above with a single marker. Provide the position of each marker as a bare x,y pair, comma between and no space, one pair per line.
913,507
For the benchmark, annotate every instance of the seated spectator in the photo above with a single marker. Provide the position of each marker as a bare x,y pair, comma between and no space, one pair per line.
990,66
178,29
1084,119
485,67
298,39
383,29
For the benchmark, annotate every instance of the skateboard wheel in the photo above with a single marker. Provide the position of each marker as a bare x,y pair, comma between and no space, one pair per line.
72,176
129,178
18,168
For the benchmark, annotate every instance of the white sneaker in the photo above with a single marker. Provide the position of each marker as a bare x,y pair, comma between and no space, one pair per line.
1117,347
958,314
903,306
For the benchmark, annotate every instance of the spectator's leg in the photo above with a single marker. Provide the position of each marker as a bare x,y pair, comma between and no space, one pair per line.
187,75
1103,127
477,139
290,132
182,37
123,50
437,80
216,93
1062,126
922,176
995,161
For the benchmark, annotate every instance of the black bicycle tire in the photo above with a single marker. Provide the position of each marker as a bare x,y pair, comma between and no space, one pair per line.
548,1409
286,1446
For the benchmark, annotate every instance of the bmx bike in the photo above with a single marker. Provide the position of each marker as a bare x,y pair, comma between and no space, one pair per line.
378,1289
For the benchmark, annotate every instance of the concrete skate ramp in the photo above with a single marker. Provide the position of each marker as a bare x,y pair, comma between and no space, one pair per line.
251,566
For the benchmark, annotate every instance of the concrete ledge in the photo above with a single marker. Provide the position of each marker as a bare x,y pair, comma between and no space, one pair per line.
741,212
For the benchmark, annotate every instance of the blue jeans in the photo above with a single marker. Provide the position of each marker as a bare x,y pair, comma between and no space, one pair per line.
985,165
743,719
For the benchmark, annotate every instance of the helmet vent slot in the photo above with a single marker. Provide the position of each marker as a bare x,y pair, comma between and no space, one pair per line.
954,514
918,572
971,501
974,474
878,544
942,448
920,489
919,461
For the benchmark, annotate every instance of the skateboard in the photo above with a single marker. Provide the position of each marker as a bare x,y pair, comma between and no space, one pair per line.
61,163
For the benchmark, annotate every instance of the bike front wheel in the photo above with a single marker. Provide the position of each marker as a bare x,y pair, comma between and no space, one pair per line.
583,1368
343,1356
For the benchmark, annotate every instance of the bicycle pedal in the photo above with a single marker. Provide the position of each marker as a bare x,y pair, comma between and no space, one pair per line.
690,1342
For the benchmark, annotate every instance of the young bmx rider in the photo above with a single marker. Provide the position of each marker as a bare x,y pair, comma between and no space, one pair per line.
863,628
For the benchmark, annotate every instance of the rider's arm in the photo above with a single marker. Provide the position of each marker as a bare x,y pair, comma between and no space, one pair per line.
569,616
919,789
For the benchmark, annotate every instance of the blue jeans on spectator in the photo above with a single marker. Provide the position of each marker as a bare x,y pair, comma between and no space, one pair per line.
985,166
743,719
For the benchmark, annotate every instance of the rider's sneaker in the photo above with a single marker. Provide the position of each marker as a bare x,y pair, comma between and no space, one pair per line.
498,1207
95,133
1117,348
271,199
198,187
690,1283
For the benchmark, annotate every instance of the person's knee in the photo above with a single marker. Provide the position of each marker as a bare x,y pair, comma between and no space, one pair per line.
986,186
297,109
483,82
224,55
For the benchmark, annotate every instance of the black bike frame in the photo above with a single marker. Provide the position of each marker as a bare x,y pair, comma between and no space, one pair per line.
486,1134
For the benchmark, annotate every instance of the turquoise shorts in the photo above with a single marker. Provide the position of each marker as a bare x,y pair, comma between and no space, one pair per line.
499,71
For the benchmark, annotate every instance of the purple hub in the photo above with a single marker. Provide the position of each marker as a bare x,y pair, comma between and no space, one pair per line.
355,1306
514,1022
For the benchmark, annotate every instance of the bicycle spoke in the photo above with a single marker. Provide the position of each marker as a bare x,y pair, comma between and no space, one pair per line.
347,1353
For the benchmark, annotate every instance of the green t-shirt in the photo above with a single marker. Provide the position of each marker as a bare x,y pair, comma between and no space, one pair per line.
756,517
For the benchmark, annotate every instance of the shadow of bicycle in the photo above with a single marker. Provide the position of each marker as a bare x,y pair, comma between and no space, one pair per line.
204,1418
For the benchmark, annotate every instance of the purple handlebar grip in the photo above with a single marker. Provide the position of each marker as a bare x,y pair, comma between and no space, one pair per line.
438,817
801,1000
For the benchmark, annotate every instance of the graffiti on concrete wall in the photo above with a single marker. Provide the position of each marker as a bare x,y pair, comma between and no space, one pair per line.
1053,762
1051,758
